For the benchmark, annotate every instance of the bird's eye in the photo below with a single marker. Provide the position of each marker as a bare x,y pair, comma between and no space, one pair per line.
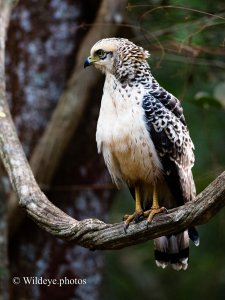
101,53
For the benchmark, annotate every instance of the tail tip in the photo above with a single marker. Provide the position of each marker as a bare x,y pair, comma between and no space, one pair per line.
161,264
181,265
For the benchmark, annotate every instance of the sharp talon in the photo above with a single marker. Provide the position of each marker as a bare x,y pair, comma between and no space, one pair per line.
125,226
165,210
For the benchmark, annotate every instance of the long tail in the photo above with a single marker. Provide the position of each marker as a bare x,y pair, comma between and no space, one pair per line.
174,249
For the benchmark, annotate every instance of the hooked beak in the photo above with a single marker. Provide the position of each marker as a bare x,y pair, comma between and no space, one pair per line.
89,61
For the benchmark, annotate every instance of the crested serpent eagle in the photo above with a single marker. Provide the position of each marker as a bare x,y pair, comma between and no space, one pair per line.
144,139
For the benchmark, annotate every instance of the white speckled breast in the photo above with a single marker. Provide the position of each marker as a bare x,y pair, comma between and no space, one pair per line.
123,139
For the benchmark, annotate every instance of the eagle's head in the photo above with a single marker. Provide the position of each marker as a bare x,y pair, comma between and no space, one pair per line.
114,54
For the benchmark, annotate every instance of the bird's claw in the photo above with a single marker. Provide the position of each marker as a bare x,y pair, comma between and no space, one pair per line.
139,215
136,217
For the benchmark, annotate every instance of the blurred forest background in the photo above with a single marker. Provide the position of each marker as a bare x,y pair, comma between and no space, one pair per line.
47,43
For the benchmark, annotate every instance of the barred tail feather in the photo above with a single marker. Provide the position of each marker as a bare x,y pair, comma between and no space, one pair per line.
172,249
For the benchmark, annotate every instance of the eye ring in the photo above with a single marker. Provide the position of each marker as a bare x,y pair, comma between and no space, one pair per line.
101,53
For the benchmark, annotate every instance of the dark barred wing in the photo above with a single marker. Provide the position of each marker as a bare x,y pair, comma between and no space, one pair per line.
168,100
166,125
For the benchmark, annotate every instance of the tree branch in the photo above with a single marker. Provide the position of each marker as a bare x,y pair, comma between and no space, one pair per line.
92,233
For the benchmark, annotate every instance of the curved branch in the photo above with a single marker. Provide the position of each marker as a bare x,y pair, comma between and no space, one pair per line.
92,233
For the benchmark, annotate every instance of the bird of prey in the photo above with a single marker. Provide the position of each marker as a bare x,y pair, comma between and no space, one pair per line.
146,145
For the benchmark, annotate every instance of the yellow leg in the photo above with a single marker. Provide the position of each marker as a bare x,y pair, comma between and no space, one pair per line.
136,216
137,199
155,201
155,209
